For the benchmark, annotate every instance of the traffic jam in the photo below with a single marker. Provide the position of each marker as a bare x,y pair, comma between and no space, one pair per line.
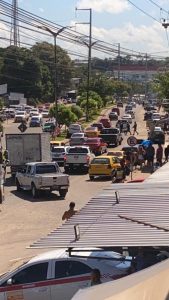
109,148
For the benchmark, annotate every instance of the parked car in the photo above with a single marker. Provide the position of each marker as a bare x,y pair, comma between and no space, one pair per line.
111,136
78,158
128,118
117,110
106,122
21,116
78,138
36,121
92,131
113,116
56,275
103,166
74,128
40,176
58,154
96,145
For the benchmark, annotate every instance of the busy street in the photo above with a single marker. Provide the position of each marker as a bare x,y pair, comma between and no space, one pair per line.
40,216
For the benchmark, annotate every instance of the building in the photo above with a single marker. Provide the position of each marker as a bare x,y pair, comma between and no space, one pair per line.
136,73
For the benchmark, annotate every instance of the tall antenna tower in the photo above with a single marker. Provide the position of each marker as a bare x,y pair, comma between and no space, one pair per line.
14,38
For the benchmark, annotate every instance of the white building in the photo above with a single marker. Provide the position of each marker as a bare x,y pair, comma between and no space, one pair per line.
136,73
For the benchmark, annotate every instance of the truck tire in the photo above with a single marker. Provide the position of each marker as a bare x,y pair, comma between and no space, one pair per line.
34,191
63,193
91,177
66,170
18,187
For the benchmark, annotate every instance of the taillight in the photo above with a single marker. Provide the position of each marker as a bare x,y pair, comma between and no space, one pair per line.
65,157
87,158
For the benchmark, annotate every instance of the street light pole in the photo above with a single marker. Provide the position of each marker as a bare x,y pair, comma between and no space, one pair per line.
89,45
55,34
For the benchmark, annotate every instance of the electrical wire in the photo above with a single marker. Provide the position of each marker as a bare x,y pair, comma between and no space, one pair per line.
157,5
144,12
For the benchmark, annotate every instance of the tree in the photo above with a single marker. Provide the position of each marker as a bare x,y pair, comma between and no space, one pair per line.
65,115
22,72
77,111
92,95
92,105
160,86
45,52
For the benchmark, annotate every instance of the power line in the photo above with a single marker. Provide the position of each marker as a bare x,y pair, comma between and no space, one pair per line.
157,5
144,12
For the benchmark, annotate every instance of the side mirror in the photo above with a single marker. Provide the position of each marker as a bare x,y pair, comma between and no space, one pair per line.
9,281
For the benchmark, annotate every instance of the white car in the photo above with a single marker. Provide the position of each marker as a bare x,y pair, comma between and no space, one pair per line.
34,112
156,116
127,118
74,128
20,116
78,139
45,113
58,154
54,275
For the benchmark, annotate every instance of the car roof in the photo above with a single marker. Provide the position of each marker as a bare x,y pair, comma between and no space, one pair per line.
40,163
61,253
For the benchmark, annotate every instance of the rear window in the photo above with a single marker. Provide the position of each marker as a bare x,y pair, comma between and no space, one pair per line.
78,151
110,131
46,169
100,161
58,150
93,141
76,126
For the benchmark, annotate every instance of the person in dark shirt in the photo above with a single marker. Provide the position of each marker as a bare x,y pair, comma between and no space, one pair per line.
166,153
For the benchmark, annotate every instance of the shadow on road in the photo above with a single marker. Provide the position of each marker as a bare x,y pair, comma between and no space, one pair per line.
43,196
99,179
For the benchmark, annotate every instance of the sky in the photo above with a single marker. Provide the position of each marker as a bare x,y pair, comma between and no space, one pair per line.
114,21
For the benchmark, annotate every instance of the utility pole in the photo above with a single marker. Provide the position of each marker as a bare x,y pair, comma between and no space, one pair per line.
119,61
146,76
90,44
14,37
56,87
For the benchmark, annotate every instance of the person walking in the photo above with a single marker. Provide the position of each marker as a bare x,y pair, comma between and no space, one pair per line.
166,153
159,154
128,128
141,155
135,128
165,128
69,213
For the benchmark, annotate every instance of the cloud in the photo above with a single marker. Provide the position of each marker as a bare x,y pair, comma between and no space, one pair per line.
41,9
140,38
110,6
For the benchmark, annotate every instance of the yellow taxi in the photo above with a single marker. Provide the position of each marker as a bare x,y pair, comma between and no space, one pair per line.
56,144
104,166
92,132
116,153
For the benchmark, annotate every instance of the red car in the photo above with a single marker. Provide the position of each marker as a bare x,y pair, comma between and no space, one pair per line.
106,122
96,145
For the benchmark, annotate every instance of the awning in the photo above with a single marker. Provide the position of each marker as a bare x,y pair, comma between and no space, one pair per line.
137,215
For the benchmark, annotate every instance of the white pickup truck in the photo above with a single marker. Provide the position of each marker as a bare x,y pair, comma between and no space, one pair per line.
39,176
79,158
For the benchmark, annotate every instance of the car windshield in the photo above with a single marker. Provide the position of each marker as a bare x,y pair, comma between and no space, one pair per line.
20,113
110,131
48,124
115,153
35,119
100,161
46,169
78,151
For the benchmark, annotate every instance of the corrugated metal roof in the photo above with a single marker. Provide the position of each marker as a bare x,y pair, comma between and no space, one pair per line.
140,219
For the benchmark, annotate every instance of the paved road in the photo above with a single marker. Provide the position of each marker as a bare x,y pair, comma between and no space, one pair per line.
24,221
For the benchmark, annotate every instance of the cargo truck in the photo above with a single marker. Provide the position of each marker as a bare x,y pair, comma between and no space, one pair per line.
25,147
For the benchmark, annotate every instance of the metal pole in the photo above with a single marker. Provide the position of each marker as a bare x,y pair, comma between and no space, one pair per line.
146,79
119,62
89,66
55,81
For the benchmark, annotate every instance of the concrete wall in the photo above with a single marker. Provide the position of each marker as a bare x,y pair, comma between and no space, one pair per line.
149,284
